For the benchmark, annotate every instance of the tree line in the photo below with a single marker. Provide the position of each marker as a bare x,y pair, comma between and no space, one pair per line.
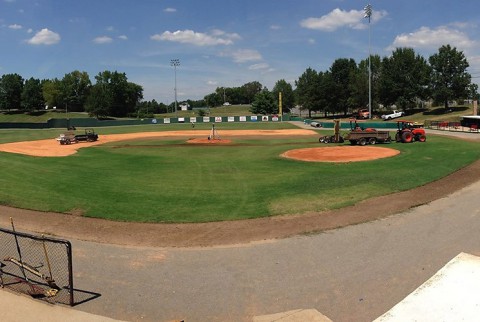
111,95
403,79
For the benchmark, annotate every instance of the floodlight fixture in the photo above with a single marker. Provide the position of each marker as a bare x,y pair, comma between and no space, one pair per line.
175,63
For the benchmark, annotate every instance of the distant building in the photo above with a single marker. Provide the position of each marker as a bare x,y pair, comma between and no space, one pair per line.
184,106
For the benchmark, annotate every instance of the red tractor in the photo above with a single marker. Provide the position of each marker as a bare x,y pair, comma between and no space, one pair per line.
410,132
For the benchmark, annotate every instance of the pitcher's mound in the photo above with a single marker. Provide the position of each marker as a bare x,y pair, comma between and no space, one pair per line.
340,153
207,141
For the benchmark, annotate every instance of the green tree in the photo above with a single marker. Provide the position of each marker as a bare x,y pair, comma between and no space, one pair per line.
213,100
449,79
115,90
326,93
360,84
307,93
32,95
249,91
288,97
11,87
264,103
133,95
52,92
98,102
343,72
75,87
404,78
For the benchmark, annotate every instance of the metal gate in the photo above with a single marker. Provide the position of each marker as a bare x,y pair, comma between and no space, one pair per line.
36,265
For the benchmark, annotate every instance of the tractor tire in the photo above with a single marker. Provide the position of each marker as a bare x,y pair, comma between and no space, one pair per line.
362,142
372,141
422,138
407,137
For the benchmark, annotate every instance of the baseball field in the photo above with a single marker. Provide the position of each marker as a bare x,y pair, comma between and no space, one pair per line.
157,174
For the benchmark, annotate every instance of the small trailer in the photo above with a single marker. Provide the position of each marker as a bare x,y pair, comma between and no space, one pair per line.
67,138
363,137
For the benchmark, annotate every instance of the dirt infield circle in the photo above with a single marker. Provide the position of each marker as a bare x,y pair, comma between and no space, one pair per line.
340,153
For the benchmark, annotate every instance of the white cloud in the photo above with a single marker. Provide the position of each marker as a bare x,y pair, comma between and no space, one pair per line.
341,18
102,40
243,55
427,38
30,30
15,26
259,66
170,10
275,27
123,37
44,37
212,83
216,37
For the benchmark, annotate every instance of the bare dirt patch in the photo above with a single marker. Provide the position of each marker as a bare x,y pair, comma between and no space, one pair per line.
340,153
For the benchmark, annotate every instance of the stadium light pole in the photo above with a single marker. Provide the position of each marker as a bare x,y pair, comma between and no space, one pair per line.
175,63
368,14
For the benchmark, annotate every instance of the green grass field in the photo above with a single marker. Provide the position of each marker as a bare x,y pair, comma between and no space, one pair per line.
166,180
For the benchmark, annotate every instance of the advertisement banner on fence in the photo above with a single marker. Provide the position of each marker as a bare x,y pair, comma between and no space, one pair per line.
275,118
181,120
243,118
231,119
206,119
264,118
253,118
166,120
193,120
218,119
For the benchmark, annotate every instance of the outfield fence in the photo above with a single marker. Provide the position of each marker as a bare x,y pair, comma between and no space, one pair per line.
93,122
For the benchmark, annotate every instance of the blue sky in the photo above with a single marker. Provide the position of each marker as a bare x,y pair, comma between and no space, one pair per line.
221,42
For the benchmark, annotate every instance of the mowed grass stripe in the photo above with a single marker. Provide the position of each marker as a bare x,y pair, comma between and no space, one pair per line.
170,181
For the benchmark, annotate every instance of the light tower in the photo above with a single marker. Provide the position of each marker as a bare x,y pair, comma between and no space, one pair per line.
368,14
175,63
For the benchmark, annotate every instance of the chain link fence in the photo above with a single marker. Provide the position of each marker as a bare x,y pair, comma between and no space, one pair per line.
38,266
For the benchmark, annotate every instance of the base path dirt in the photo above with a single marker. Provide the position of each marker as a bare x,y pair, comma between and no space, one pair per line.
52,148
220,233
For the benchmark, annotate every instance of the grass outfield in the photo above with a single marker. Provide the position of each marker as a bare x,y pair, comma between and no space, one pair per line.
166,180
